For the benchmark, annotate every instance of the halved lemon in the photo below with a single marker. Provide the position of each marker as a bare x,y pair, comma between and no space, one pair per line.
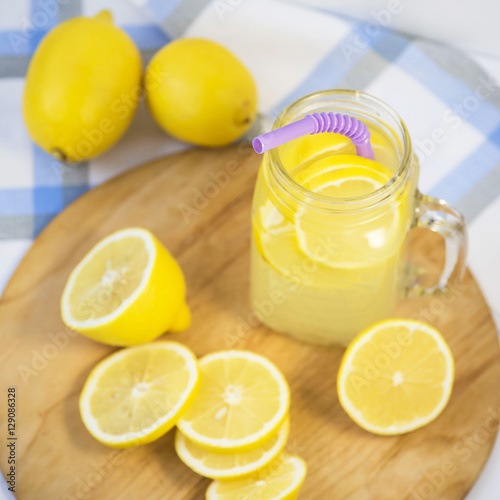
396,376
128,289
280,480
137,394
243,400
230,465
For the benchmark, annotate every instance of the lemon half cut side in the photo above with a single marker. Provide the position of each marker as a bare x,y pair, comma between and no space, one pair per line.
127,290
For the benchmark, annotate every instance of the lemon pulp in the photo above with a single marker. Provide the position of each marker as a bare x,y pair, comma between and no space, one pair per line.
243,400
137,394
109,279
396,376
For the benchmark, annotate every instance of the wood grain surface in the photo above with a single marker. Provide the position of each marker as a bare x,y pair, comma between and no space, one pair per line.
198,204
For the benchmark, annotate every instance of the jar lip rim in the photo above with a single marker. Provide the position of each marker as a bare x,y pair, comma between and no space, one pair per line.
328,201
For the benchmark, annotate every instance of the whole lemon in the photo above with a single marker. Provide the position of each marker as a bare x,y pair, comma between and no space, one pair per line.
200,92
82,88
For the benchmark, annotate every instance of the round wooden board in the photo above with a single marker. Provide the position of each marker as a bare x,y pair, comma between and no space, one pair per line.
198,204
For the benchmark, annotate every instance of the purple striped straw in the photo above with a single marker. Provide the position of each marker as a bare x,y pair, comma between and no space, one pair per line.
318,123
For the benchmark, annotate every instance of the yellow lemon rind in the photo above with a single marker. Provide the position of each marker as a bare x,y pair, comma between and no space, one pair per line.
300,470
236,472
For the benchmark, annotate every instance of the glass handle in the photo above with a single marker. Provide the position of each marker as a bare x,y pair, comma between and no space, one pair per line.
440,217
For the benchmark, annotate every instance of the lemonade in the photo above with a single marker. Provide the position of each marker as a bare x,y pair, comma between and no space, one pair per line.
329,229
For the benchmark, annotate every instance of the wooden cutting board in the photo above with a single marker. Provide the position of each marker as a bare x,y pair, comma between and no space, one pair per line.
198,204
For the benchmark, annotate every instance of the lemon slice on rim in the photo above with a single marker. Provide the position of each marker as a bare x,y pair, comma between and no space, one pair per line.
137,394
280,480
243,400
128,289
227,465
396,376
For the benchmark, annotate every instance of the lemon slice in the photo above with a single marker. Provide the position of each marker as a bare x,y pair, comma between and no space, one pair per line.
243,400
396,376
309,148
344,239
280,480
275,238
228,465
128,289
137,394
344,176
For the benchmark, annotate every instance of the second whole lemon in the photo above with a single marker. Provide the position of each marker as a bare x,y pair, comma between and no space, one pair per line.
199,92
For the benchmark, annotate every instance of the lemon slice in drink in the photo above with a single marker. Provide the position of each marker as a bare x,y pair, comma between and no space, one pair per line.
344,176
230,465
343,239
137,394
309,148
313,147
243,400
396,376
280,480
275,238
128,289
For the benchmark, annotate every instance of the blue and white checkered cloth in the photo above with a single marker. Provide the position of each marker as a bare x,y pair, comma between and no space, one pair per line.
450,105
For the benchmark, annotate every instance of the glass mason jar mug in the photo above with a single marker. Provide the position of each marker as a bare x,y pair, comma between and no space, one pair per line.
329,228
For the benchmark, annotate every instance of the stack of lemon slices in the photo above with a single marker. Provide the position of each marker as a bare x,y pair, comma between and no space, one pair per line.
236,429
230,407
